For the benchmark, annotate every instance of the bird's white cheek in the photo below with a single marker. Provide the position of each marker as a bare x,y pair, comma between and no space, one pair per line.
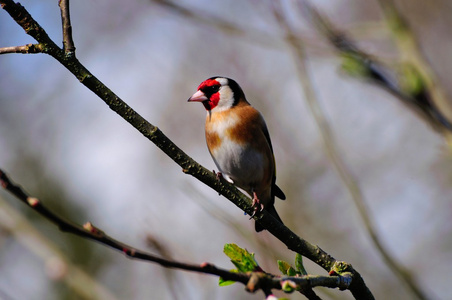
226,99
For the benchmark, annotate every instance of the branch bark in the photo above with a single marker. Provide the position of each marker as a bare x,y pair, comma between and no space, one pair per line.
25,49
68,43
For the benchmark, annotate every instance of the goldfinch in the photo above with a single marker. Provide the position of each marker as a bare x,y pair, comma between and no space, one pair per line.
239,143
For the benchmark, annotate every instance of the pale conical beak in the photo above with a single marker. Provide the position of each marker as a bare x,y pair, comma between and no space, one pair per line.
198,97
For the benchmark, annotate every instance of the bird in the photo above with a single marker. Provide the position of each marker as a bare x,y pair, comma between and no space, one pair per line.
239,143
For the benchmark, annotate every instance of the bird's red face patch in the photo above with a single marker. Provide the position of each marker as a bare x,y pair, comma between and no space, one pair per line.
210,88
208,83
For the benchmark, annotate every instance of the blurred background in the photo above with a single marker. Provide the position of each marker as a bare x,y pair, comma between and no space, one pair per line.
66,147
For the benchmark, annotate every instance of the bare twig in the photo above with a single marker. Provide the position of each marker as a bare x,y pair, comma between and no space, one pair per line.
25,49
91,232
253,280
68,43
189,166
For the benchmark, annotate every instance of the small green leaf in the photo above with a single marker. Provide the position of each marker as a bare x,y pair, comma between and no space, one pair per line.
299,265
243,260
291,271
273,297
288,286
284,267
340,267
222,282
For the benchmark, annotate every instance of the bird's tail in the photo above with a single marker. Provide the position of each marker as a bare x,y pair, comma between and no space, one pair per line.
271,210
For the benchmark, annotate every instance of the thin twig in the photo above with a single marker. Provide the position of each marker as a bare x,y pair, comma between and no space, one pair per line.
91,232
264,280
68,43
25,49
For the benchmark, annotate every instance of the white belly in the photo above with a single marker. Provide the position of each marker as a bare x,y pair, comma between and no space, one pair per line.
242,165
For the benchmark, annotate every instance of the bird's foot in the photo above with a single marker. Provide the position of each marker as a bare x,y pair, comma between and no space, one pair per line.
257,205
219,176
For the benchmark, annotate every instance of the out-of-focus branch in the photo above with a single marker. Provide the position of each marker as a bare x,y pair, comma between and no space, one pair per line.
82,284
411,53
158,246
253,280
220,23
68,43
423,96
331,147
217,22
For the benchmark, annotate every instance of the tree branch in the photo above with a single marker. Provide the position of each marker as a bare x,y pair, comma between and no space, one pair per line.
253,280
68,43
189,166
91,232
25,49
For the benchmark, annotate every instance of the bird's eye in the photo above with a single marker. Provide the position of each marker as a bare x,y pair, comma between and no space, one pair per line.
210,90
214,88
